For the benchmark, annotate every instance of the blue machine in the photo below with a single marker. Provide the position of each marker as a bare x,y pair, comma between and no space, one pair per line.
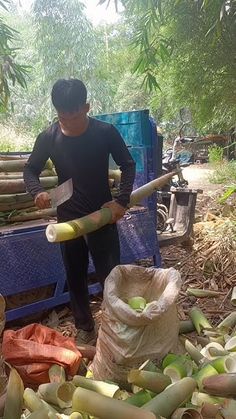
28,261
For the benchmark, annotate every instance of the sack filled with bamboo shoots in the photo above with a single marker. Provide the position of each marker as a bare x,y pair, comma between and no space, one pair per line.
128,336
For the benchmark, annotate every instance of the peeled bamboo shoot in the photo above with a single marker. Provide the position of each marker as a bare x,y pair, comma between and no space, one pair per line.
33,403
60,394
103,407
92,222
107,389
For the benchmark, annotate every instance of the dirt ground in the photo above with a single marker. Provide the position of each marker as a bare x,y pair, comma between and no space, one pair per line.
198,177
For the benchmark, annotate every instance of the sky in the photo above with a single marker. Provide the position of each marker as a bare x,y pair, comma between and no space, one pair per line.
96,14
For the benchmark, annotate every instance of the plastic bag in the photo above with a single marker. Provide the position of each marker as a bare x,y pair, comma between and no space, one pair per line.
127,338
33,349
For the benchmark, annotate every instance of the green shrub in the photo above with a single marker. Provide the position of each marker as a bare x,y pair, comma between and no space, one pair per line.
215,154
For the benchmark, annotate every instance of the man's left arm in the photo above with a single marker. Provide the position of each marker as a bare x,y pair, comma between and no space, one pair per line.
124,160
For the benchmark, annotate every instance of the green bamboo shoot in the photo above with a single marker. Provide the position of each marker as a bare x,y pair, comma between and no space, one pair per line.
92,222
147,380
168,359
193,352
149,188
176,370
199,320
226,364
199,293
102,407
165,403
228,322
206,371
140,398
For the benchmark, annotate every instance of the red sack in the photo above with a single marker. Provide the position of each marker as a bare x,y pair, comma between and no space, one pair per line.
33,349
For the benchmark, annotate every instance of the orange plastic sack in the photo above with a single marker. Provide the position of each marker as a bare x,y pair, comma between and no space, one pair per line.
34,348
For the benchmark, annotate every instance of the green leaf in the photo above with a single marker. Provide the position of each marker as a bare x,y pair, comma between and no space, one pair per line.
230,191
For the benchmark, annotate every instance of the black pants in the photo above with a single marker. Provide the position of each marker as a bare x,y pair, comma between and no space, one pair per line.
104,248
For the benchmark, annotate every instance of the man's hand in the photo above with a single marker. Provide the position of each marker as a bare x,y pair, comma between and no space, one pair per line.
42,200
116,209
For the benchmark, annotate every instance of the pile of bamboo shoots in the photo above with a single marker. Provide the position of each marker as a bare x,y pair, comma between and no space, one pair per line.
198,383
16,205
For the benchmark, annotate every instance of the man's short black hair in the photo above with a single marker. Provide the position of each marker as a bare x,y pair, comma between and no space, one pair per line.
69,95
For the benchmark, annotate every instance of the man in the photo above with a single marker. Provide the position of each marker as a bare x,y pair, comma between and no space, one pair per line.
80,146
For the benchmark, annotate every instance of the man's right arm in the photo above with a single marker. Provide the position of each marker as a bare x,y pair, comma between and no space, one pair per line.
32,170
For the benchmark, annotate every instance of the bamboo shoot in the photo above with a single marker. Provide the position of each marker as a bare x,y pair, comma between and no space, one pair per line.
14,398
107,389
152,381
102,407
13,186
92,222
60,394
165,403
223,385
18,165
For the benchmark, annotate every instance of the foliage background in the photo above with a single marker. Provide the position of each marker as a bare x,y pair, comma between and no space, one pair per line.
172,56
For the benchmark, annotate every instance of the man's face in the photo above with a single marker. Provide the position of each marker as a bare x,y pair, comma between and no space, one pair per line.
73,120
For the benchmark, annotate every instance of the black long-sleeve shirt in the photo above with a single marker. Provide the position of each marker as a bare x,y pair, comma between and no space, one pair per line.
85,159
